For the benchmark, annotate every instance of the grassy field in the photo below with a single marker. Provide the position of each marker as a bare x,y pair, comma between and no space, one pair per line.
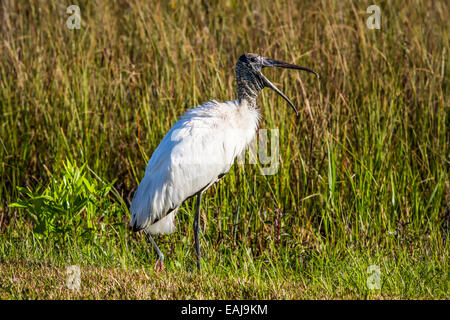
362,192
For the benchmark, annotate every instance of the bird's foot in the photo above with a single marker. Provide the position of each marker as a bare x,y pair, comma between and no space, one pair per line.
159,266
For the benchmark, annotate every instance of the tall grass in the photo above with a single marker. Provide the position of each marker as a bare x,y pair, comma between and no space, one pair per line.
364,172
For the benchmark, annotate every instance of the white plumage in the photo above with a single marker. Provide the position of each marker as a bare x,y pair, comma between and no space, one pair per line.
198,149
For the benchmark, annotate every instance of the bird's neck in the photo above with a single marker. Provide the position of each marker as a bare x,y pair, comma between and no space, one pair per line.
248,91
249,84
250,102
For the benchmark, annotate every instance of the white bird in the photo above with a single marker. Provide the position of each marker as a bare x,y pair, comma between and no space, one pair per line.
198,150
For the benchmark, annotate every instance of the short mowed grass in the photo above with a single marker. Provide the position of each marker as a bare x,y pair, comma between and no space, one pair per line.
359,208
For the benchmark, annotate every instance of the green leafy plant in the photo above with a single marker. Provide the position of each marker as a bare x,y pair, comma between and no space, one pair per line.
71,205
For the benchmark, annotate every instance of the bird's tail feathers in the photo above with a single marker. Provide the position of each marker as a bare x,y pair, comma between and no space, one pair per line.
165,225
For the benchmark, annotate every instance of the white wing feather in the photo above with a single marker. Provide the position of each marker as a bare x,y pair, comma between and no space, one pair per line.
201,146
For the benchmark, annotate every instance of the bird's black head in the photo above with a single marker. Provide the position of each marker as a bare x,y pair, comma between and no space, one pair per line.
251,80
248,75
251,61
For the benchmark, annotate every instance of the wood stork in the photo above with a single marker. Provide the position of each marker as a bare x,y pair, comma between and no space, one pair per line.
200,149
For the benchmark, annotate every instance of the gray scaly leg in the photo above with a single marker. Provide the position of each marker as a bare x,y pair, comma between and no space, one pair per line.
159,265
196,228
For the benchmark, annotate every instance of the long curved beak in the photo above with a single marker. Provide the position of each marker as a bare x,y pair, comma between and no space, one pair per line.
267,62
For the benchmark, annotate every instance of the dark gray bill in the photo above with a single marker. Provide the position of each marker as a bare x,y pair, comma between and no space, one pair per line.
267,62
272,86
279,64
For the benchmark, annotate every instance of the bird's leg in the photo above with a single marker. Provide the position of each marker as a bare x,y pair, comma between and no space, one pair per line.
196,227
159,265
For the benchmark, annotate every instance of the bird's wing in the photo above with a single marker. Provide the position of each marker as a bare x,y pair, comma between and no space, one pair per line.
191,156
